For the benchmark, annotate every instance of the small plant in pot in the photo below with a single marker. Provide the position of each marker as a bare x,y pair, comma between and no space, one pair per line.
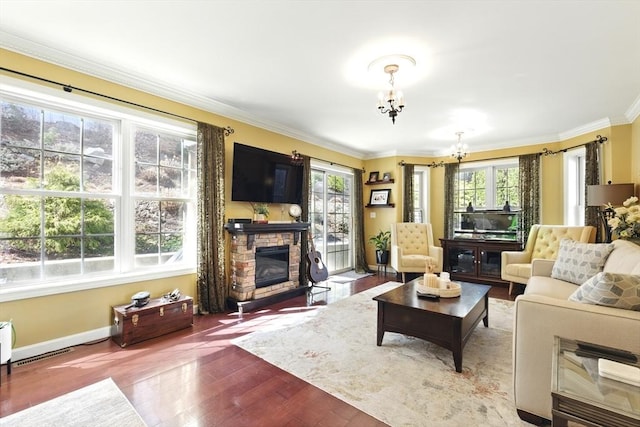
381,243
260,212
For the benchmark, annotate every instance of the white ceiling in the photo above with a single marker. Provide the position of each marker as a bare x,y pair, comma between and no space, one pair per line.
506,73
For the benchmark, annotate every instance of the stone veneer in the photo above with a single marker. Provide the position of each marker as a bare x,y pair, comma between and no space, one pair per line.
243,264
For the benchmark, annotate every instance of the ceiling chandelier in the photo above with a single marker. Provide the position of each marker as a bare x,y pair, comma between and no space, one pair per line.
459,150
391,102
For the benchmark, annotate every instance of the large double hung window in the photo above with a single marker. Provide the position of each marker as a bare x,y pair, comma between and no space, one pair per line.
487,185
90,193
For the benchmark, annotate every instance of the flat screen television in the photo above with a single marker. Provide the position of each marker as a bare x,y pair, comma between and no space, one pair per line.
263,176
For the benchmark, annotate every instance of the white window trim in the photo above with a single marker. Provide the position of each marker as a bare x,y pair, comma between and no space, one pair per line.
490,177
573,181
30,93
425,197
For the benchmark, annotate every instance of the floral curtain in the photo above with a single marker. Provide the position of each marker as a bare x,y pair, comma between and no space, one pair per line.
529,171
592,177
408,208
211,274
450,176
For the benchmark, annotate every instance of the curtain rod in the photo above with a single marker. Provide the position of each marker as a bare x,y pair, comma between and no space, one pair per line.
333,163
545,152
68,88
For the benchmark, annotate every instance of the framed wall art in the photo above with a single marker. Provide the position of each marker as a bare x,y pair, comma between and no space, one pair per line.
379,197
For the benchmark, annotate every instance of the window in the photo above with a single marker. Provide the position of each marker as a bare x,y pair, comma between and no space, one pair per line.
420,194
89,193
488,185
330,214
574,185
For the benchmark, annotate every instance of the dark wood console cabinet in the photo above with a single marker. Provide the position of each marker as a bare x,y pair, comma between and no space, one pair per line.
473,260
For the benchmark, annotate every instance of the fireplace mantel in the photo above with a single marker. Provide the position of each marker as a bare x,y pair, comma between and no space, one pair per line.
255,228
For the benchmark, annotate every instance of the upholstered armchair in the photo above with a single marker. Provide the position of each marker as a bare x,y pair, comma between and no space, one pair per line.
543,243
412,247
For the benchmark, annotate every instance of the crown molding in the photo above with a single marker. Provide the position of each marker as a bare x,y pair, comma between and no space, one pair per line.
634,111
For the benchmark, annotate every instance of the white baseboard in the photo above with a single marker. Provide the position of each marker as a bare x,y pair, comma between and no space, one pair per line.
64,342
59,343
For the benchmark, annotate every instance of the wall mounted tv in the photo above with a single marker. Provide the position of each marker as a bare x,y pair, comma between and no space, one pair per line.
263,176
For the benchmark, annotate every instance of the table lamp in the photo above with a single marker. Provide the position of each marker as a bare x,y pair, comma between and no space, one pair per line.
602,195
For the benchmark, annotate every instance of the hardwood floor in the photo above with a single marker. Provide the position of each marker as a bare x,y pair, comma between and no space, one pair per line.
196,377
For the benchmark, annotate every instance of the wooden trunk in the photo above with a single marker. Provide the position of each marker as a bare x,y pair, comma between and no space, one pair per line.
158,317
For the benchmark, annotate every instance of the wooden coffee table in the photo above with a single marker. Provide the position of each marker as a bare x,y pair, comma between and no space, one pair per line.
447,322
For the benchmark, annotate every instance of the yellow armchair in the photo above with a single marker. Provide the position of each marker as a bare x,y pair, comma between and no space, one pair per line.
412,247
543,243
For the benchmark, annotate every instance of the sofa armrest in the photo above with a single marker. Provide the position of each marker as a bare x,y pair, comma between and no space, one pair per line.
538,319
396,255
516,257
437,253
542,267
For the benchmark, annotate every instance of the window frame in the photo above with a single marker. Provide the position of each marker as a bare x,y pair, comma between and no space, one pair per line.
490,168
123,194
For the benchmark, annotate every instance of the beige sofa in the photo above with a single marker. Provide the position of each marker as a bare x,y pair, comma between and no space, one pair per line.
544,311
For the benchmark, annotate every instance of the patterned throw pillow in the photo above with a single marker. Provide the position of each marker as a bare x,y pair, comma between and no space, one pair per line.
610,289
577,262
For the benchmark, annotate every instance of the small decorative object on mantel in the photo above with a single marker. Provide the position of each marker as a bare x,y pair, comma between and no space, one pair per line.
470,207
626,221
260,212
506,207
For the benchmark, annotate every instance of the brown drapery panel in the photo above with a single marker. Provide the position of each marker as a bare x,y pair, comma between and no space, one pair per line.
529,176
592,177
361,265
408,208
211,274
450,176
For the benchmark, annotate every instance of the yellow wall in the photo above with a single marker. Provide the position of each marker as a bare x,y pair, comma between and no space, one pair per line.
47,318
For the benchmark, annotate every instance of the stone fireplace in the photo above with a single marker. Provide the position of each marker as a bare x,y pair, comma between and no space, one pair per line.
265,260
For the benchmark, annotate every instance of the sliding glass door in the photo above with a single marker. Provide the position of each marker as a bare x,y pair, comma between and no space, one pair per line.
330,215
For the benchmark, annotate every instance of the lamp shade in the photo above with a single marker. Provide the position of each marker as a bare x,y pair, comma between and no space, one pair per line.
599,195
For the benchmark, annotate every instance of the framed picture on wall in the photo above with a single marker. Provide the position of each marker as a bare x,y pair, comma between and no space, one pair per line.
386,176
373,176
379,197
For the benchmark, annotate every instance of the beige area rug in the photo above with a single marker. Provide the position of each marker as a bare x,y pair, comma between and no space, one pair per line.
98,405
347,276
406,381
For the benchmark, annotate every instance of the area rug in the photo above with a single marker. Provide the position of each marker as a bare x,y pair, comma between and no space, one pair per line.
347,276
406,381
98,405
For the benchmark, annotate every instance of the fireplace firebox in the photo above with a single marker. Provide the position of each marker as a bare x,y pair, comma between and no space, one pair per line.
272,265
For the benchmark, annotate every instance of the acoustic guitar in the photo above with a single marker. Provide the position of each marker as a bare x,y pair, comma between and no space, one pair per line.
317,270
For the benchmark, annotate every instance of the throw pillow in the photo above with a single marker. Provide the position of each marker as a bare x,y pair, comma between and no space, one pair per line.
577,262
610,289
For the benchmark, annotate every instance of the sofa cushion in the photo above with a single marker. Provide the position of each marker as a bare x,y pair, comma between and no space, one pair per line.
611,290
577,262
548,287
520,270
625,258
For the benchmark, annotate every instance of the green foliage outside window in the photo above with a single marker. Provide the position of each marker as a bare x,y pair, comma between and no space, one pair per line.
63,218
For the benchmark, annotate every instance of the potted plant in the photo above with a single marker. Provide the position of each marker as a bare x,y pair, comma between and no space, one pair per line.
260,212
381,243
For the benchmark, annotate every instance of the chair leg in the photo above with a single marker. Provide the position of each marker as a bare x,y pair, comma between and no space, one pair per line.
510,288
403,279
